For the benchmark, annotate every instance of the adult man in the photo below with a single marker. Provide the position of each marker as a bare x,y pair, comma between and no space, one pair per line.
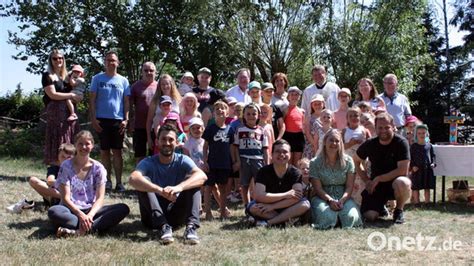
389,157
239,91
169,189
141,94
203,89
278,189
321,86
396,103
109,106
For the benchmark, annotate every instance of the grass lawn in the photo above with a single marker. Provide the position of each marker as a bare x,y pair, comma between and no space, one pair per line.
28,238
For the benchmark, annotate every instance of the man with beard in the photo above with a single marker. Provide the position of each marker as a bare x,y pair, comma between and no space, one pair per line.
389,156
168,187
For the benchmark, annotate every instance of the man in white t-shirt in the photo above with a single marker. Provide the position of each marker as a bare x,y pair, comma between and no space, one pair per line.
239,91
329,90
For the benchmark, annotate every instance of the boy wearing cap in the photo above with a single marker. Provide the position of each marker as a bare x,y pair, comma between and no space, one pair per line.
344,97
217,159
254,92
239,91
77,83
203,89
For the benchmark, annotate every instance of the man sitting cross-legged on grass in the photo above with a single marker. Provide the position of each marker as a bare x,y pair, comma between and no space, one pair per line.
389,156
278,189
168,185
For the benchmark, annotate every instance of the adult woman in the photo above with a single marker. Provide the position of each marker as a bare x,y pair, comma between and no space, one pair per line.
58,129
280,81
332,177
81,183
166,86
366,92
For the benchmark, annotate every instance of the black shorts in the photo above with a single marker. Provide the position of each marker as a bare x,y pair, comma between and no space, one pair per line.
139,142
296,141
234,174
376,201
110,137
217,176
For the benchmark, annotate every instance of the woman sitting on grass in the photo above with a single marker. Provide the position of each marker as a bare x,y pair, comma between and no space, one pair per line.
332,177
81,181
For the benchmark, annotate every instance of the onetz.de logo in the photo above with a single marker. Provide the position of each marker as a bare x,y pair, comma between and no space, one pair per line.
378,241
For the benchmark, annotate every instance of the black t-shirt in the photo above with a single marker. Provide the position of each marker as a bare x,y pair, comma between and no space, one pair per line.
273,184
384,158
277,114
58,86
52,170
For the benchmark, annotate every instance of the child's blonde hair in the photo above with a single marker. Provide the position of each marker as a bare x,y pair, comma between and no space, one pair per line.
302,161
269,110
352,110
221,103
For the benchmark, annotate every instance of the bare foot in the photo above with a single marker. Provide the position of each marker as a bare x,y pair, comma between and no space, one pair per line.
72,117
209,216
225,214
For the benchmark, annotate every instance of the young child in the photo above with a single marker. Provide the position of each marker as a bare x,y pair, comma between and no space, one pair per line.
340,116
165,107
423,160
47,189
312,124
254,92
368,121
188,110
364,107
354,135
327,120
294,121
186,83
266,123
408,130
231,102
217,159
252,145
194,145
76,81
233,184
303,165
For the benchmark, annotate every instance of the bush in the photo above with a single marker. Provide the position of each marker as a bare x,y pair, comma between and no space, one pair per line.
21,143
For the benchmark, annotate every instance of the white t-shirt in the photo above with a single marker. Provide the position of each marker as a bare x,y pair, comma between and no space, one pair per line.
238,94
329,92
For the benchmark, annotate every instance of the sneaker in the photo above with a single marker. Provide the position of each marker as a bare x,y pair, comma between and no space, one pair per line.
385,212
108,185
190,235
20,206
261,223
63,232
166,234
119,188
398,216
249,219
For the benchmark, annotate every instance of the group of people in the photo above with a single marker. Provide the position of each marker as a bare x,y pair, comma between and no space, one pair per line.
338,159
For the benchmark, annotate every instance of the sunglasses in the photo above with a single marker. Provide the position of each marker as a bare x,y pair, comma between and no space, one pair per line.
57,58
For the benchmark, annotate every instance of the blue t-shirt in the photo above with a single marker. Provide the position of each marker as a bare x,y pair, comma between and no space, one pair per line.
219,143
110,93
165,175
233,127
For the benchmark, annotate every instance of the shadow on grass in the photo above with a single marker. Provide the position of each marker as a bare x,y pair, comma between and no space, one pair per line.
45,228
14,178
446,207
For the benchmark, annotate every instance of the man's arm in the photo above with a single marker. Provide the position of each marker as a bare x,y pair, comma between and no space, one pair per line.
92,114
196,178
143,184
263,197
126,111
360,170
401,170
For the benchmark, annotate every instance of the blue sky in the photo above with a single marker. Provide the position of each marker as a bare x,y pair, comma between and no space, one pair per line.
14,71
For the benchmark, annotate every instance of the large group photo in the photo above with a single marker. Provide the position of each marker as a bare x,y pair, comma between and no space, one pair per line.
258,141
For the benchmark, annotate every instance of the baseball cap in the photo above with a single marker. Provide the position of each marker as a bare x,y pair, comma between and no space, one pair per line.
174,116
268,85
346,90
204,70
294,89
165,99
254,84
231,100
411,119
317,97
188,74
196,121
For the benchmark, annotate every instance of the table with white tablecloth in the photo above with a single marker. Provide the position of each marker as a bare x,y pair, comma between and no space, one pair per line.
453,160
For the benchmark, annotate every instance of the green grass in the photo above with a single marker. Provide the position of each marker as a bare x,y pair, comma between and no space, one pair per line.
28,238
